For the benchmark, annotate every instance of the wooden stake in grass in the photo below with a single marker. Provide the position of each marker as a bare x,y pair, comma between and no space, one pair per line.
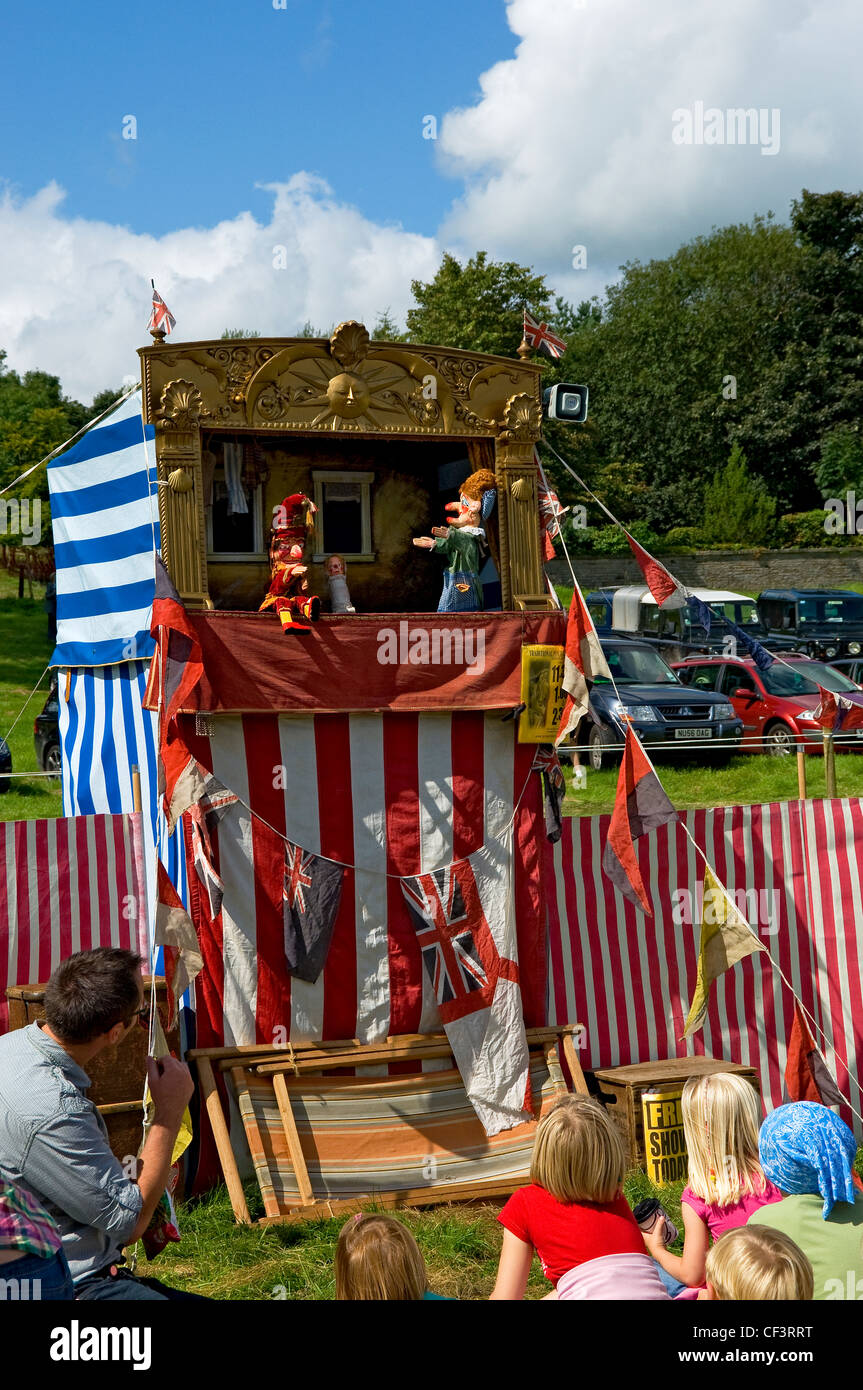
801,772
829,762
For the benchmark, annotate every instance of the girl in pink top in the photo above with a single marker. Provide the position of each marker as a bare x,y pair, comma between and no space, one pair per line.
721,1118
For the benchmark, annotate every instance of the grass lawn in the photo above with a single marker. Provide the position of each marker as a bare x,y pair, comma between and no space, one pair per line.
748,779
460,1244
25,650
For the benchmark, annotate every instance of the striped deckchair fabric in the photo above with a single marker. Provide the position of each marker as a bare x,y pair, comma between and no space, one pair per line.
378,1137
105,519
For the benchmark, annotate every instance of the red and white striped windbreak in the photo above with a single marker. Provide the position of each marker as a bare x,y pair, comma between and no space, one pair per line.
67,885
391,795
629,978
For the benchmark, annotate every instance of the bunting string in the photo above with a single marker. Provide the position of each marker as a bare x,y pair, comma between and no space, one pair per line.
825,1041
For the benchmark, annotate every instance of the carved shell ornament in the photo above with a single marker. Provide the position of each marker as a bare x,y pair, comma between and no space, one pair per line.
182,406
179,481
349,343
522,419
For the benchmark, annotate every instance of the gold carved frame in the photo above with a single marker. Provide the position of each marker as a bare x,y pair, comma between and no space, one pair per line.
350,386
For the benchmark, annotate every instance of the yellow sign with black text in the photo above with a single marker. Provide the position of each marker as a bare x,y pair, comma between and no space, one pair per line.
664,1141
541,694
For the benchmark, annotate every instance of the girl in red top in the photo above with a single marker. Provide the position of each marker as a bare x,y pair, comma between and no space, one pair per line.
574,1210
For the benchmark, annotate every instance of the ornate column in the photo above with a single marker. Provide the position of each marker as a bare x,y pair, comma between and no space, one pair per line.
181,503
522,578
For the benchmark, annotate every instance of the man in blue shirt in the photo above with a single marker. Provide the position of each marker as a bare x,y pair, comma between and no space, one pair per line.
53,1139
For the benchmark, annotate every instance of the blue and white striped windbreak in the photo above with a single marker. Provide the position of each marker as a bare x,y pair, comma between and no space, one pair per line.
105,518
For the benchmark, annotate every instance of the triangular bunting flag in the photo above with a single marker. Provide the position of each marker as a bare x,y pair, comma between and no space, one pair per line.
726,937
175,670
583,662
806,1074
760,655
175,931
640,805
311,893
660,583
835,713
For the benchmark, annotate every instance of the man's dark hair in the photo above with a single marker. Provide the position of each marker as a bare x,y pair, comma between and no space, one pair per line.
91,991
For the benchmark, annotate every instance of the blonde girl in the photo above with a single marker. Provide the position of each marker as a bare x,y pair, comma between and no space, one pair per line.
574,1210
377,1258
756,1263
721,1117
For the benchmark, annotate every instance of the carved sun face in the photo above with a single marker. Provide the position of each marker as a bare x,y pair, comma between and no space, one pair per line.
347,395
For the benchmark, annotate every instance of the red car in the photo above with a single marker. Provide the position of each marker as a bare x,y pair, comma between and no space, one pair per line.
776,705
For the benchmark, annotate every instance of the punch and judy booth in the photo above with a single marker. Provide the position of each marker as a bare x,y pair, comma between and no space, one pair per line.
368,872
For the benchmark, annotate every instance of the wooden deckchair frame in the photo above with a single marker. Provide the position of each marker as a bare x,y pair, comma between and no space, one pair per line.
311,1060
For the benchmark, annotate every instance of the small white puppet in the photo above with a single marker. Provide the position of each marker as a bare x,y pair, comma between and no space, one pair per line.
340,599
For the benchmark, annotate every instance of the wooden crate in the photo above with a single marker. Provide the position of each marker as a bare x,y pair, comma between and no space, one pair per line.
118,1073
621,1090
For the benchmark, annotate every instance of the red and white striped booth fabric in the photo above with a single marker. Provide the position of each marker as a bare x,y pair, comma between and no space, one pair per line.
390,795
629,978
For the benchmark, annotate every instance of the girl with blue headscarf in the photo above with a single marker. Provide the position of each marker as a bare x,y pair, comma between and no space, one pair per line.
808,1152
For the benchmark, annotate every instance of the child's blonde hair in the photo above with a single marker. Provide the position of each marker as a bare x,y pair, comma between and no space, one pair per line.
578,1155
721,1119
753,1263
378,1258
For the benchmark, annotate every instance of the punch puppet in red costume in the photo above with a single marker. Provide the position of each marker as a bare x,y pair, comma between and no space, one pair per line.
289,586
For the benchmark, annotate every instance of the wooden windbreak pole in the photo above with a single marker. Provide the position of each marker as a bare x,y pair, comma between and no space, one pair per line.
801,771
136,788
829,762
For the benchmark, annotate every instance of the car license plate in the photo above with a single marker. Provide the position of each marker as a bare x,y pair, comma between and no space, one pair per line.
693,733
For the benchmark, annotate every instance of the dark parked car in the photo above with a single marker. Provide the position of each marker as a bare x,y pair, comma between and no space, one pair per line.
825,622
631,610
658,706
850,666
5,766
776,705
46,732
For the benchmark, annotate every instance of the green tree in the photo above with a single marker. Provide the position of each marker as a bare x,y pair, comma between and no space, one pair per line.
477,306
675,351
840,469
386,329
737,507
813,384
241,333
35,417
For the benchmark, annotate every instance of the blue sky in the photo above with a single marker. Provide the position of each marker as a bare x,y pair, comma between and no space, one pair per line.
280,173
230,93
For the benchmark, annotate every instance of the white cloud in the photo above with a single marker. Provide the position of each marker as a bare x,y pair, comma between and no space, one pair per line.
569,144
76,293
570,141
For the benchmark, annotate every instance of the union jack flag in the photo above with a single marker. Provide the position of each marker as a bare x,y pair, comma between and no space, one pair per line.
541,338
453,937
160,315
550,510
298,875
